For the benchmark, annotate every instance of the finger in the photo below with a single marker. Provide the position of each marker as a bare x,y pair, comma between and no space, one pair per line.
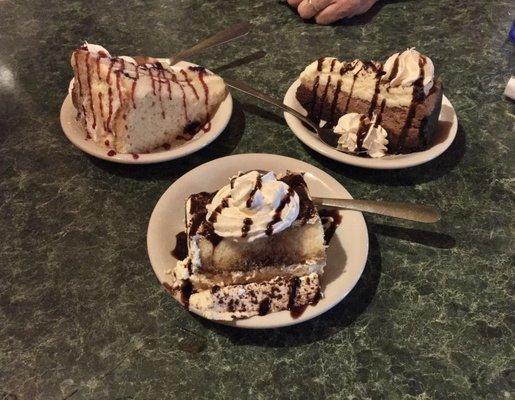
294,3
309,10
343,9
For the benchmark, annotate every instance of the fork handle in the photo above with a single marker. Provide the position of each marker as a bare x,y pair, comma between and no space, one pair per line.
245,88
233,32
409,211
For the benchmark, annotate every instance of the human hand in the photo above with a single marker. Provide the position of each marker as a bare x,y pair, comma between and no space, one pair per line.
328,11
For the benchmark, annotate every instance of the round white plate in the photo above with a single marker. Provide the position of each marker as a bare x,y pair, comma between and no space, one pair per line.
346,256
77,135
448,126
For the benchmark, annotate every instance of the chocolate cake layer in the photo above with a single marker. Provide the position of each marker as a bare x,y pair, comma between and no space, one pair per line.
409,128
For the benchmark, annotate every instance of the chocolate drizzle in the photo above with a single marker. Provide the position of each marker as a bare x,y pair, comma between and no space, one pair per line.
331,219
277,215
214,215
418,97
180,251
264,306
306,207
183,72
94,125
253,192
373,104
247,222
294,288
186,291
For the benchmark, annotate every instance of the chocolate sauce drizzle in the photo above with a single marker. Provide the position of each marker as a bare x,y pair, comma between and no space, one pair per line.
180,251
253,192
277,215
418,97
331,219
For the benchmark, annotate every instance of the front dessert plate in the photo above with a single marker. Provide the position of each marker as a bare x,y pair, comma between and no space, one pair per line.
346,255
448,125
74,131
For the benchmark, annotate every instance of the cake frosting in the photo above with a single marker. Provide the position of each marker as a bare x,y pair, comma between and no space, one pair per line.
253,206
136,108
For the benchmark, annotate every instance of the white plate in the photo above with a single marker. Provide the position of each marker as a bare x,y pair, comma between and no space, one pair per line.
77,135
448,126
347,253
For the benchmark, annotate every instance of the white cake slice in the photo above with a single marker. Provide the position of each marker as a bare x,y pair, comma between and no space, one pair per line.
137,108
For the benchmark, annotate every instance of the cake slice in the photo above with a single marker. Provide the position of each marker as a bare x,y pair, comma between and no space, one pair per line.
137,108
254,239
401,95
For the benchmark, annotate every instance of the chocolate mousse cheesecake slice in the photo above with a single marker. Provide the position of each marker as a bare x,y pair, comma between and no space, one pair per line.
402,95
136,108
258,239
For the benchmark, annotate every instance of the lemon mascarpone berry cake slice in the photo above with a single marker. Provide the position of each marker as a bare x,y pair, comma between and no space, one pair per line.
137,108
254,247
401,96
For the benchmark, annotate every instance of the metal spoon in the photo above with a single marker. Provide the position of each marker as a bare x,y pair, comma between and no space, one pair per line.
327,135
409,211
233,32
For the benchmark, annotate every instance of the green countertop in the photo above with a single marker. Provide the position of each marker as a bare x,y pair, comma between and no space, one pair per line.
82,315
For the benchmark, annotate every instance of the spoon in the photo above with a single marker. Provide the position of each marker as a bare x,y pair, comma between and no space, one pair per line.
327,135
409,211
233,32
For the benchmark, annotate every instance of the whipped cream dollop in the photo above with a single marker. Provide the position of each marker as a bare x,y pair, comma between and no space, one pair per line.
95,48
354,128
375,141
348,127
406,68
253,206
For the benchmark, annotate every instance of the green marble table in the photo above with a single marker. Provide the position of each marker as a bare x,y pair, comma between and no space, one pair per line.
82,315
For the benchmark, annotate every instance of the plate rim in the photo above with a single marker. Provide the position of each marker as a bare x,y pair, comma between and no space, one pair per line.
147,158
406,161
324,176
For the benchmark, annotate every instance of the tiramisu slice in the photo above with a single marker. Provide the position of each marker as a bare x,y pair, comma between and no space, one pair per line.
400,96
255,246
137,108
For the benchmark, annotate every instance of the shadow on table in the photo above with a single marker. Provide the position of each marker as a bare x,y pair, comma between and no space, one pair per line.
359,19
427,172
321,327
222,146
419,236
240,61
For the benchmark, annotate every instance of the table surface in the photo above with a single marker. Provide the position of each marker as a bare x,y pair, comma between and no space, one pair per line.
82,315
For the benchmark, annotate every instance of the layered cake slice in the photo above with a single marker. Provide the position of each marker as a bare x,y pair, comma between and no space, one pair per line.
401,96
137,108
255,246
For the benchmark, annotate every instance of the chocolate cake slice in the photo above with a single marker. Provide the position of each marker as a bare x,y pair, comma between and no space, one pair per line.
254,239
401,95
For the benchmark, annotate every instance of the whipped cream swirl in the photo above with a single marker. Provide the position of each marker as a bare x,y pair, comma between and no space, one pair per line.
406,68
348,127
253,206
375,141
357,132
